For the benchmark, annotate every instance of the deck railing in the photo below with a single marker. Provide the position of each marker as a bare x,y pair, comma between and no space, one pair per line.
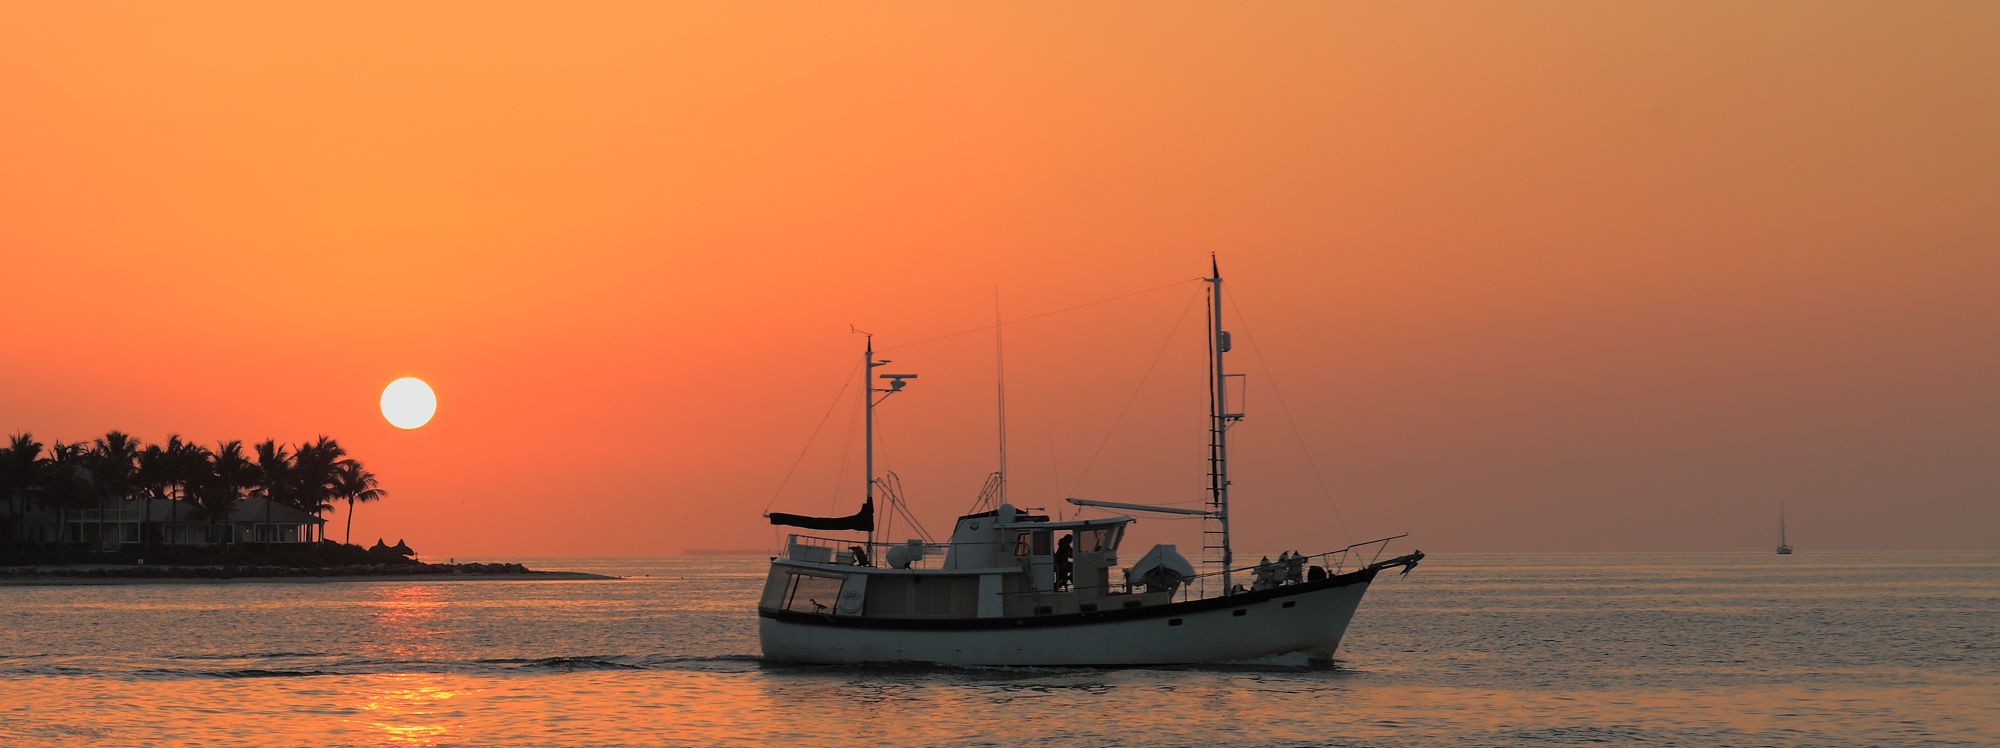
840,551
1295,569
1292,568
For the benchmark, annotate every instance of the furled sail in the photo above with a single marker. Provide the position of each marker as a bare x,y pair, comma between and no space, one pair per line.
862,521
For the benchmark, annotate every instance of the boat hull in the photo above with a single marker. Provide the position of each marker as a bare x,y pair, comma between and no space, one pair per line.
1309,618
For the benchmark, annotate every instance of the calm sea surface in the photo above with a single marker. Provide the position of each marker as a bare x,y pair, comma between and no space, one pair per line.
1685,650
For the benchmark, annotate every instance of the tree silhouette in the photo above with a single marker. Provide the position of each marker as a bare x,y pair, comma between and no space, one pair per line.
314,469
20,462
228,476
114,462
355,484
188,462
75,476
67,485
155,480
274,476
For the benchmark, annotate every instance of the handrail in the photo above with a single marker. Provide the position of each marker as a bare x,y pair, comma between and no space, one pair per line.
1334,562
877,551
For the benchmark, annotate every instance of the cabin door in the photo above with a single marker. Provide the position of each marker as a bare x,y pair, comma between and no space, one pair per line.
1033,548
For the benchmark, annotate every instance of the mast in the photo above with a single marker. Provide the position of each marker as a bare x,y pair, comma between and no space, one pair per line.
1219,419
1000,376
1781,525
868,438
868,399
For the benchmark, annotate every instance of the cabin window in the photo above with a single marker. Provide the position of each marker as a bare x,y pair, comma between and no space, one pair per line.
806,593
1091,541
1032,542
934,599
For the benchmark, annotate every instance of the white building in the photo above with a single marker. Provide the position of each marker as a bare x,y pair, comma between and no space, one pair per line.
173,522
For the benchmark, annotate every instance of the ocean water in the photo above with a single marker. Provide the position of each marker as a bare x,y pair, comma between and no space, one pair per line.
1484,650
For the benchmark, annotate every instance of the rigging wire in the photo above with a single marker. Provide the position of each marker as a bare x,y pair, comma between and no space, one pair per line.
1325,492
892,486
1041,315
892,493
889,489
1178,320
846,382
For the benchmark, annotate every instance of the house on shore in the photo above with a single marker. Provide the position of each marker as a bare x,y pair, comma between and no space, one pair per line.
173,522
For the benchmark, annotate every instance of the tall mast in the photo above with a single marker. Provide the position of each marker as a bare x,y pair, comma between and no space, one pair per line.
1219,419
868,399
1781,524
1000,376
868,440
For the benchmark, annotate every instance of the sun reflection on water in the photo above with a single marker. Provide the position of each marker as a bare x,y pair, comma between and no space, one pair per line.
412,707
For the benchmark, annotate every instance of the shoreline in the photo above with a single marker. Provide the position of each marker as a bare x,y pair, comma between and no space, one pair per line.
98,574
532,576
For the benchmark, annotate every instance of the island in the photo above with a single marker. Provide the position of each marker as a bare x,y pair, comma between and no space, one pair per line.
115,510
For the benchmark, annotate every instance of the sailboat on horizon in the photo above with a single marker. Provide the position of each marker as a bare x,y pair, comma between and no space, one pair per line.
1784,548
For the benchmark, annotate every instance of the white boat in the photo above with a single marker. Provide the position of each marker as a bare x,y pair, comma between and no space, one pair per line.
1784,548
1012,587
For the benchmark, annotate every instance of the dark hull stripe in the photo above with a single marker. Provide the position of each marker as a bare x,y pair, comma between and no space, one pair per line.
1117,615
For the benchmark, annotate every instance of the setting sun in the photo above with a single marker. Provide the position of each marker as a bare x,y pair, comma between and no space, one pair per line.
408,403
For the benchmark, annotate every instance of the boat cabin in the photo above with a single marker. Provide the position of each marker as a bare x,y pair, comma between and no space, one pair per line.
1002,563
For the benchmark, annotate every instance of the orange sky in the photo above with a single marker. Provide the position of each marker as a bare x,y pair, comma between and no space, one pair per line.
1528,276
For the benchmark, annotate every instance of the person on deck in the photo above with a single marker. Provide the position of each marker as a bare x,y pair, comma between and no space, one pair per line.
1065,560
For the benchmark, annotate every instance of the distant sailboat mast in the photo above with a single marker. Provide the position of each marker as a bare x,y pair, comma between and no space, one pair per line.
1784,548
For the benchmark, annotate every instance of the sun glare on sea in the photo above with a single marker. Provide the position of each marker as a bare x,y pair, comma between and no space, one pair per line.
408,403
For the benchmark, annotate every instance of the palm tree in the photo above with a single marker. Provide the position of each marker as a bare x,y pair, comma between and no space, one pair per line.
230,474
157,478
20,460
314,472
355,484
224,476
69,485
153,482
13,517
113,460
274,475
165,471
187,463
